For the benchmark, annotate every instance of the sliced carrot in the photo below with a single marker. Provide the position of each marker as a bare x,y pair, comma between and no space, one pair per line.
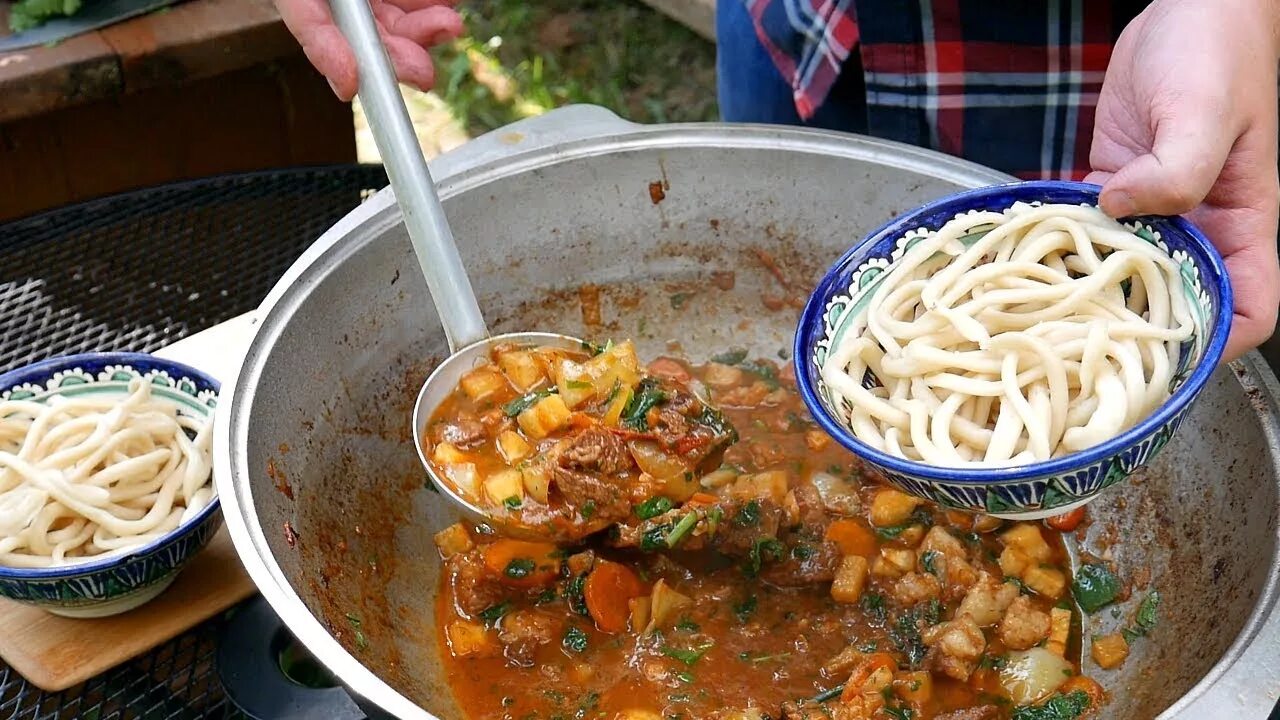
607,590
1086,685
521,563
581,421
863,672
668,368
1066,522
853,538
701,498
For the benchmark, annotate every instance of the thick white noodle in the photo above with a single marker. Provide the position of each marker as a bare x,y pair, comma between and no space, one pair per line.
82,478
1019,346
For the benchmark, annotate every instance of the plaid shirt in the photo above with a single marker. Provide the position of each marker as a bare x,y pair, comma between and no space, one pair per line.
1010,84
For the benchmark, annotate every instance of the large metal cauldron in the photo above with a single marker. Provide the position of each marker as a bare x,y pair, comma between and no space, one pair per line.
314,432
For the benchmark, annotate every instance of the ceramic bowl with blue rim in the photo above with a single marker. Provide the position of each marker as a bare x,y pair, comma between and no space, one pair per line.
1035,490
116,584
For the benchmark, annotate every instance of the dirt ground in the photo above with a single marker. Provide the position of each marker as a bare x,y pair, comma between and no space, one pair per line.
521,59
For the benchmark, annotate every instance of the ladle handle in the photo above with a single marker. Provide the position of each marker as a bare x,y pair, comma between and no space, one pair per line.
415,190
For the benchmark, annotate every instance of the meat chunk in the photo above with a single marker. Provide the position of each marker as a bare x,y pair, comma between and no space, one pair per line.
521,633
474,588
462,432
841,665
813,518
955,647
1023,625
942,542
579,488
914,588
806,710
804,564
669,426
982,712
987,600
595,450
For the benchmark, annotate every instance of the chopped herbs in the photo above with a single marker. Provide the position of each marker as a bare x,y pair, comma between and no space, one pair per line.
512,503
526,401
647,396
687,656
361,641
899,713
685,677
1095,587
688,625
764,371
929,561
493,613
652,508
891,532
546,596
762,550
763,658
679,299
681,529
588,509
1146,619
873,605
573,594
802,552
905,634
353,619
716,421
732,356
1058,707
745,609
655,538
574,640
520,568
748,515
826,695
992,662
595,349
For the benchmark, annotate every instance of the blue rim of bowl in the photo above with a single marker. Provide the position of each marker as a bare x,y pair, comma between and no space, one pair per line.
44,370
1058,191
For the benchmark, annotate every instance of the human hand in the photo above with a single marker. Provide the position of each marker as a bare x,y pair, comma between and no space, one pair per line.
408,28
1186,124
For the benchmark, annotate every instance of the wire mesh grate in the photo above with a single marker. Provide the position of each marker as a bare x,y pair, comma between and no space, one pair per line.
136,272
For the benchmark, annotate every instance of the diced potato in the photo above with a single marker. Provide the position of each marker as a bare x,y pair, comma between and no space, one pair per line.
1109,650
482,382
574,383
892,507
448,454
654,460
1027,538
914,687
912,536
987,523
545,417
613,414
772,485
616,366
464,478
504,484
1059,631
665,605
537,482
454,540
466,638
1013,562
816,440
901,558
512,446
718,478
1047,581
639,609
850,579
522,369
883,568
1032,675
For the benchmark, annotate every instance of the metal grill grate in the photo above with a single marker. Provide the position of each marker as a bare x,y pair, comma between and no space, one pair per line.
136,272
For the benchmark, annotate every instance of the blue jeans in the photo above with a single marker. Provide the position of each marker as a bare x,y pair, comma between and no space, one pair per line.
751,89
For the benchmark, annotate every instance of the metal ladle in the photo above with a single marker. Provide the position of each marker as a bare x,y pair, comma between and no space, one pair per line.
464,326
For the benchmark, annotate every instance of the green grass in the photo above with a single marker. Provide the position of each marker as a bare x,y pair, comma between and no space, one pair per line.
522,58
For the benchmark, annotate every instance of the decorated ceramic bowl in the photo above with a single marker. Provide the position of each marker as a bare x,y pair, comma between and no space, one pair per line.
1034,490
109,586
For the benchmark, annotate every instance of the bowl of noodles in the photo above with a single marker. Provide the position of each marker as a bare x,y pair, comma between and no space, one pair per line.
1012,350
106,487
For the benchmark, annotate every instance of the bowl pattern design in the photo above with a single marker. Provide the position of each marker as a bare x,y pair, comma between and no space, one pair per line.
833,313
115,584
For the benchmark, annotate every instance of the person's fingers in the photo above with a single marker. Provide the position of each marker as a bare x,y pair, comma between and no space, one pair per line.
1098,177
428,27
1190,148
411,5
1255,282
325,47
411,61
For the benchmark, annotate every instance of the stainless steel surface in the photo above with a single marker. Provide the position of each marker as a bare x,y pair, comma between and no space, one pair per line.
563,202
398,145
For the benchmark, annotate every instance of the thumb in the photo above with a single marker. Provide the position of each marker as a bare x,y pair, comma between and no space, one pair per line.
1188,153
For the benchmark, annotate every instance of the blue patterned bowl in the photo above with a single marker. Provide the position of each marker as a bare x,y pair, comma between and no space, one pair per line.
98,588
1040,489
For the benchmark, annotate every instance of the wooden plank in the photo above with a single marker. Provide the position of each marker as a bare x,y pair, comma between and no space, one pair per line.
37,80
698,15
56,653
196,40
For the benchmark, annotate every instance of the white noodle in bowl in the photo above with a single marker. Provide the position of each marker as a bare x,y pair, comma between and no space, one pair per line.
1014,337
91,477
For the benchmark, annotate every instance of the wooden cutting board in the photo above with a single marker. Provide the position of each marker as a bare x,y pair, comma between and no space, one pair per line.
55,653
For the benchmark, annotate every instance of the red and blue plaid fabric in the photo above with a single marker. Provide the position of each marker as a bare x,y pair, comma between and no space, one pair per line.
1009,84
